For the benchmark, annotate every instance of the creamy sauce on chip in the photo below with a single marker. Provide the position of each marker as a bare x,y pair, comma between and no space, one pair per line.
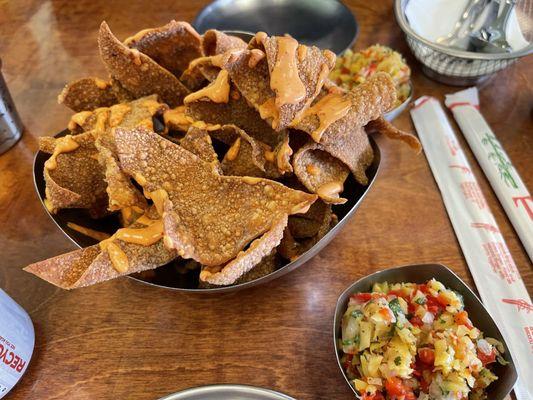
284,78
256,55
97,235
234,150
330,189
63,145
217,91
328,109
118,258
143,236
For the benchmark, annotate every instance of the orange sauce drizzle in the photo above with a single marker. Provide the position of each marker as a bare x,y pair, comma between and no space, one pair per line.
63,145
284,77
217,91
234,150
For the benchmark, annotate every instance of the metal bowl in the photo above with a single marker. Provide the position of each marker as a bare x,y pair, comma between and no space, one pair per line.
396,111
456,67
167,276
477,312
328,24
227,392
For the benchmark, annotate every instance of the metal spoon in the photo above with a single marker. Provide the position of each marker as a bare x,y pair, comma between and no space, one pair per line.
493,38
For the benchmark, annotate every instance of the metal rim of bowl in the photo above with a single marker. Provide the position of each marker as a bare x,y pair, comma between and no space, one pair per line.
238,389
285,269
241,32
406,28
396,111
442,269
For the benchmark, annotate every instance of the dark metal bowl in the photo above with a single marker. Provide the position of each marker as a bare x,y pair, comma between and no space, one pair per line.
328,24
167,276
477,312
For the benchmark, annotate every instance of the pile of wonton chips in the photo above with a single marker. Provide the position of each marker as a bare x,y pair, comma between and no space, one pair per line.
219,156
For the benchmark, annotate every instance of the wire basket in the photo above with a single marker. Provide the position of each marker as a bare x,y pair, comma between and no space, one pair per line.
457,67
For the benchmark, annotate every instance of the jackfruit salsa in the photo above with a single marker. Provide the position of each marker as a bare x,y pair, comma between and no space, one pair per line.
408,341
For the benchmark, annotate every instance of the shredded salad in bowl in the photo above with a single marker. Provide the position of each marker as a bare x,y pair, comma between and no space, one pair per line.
408,341
354,68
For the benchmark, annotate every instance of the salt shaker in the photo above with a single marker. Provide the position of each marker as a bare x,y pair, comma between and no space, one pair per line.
10,125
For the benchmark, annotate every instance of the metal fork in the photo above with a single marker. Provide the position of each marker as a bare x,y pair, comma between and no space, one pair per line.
493,38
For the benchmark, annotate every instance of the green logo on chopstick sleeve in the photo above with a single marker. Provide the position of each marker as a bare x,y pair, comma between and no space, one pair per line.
497,156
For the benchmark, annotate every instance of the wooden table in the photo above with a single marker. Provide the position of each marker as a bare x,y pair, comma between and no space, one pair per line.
123,339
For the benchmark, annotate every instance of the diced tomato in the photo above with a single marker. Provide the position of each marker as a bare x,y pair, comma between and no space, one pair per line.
361,297
423,288
442,300
427,355
348,361
411,307
396,388
375,396
416,321
486,358
433,305
461,318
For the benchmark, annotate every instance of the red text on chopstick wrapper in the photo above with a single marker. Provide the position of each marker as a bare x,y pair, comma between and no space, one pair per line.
462,168
529,334
10,358
520,304
473,193
524,202
501,262
484,225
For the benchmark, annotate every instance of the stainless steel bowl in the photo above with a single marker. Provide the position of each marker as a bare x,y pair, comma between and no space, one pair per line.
396,111
476,310
328,24
457,67
227,392
167,276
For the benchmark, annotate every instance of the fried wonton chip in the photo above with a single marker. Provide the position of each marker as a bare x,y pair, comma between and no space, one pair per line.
383,126
344,137
173,46
87,94
291,248
207,217
198,142
122,193
266,266
138,73
199,73
307,225
93,264
284,82
320,172
246,260
246,156
216,42
73,176
238,112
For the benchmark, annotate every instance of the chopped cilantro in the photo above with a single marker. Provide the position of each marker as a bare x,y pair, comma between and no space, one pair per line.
356,314
394,305
398,360
421,301
347,342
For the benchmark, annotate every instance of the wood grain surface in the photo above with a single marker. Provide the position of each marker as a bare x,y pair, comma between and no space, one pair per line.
125,340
